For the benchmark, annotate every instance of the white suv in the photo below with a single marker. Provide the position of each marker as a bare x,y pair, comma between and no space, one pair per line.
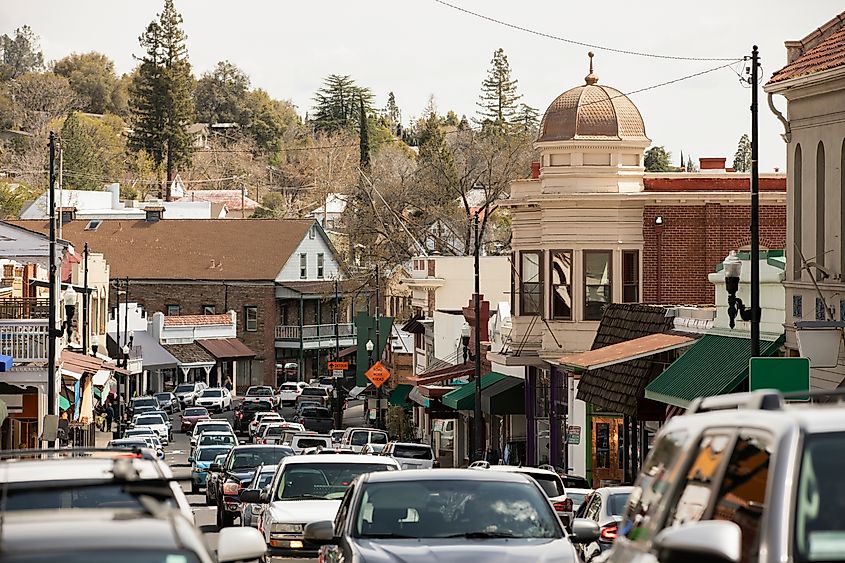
187,393
215,399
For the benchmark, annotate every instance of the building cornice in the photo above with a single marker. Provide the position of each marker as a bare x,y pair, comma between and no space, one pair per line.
823,82
647,198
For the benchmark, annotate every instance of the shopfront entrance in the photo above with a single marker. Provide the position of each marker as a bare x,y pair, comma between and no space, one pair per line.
607,459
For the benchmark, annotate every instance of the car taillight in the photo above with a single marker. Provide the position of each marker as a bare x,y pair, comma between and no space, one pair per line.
608,533
231,488
564,505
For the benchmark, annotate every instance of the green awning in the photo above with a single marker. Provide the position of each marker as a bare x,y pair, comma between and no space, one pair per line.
64,404
97,392
463,398
714,365
399,396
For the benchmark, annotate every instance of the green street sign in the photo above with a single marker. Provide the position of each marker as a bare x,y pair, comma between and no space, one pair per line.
787,375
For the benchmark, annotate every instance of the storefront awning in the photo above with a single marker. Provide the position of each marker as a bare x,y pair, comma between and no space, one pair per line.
5,363
190,355
153,354
443,374
226,348
715,365
64,404
506,396
413,325
399,396
74,365
463,398
416,396
625,351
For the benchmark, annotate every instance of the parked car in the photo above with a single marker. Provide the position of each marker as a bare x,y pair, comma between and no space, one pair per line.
260,481
604,506
237,468
423,516
261,393
316,419
357,438
268,416
410,455
190,416
549,481
316,394
738,478
212,485
167,401
187,393
216,399
245,413
288,392
305,440
202,459
308,489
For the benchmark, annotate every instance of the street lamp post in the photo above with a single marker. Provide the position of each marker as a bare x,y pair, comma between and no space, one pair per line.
733,269
370,346
70,309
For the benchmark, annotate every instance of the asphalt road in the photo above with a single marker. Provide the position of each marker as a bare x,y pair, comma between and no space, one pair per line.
176,455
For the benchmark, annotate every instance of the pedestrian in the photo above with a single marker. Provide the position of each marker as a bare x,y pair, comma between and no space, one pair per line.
109,416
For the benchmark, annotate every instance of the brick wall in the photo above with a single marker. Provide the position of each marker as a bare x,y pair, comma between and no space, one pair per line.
155,295
678,257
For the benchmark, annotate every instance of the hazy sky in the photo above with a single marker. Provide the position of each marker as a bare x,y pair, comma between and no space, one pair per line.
418,47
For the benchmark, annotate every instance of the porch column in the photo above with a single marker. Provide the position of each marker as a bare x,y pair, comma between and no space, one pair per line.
555,377
530,422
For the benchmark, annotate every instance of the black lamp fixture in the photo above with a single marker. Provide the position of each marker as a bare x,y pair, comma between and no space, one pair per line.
70,311
370,347
733,269
95,345
465,341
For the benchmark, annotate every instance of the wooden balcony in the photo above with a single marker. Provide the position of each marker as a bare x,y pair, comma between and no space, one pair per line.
315,336
25,339
24,308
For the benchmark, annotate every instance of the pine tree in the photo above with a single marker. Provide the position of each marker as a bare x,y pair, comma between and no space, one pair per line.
364,136
528,118
337,103
497,102
393,114
162,96
742,158
81,162
657,160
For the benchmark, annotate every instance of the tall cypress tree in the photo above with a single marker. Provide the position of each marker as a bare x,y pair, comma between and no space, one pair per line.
498,100
364,134
162,96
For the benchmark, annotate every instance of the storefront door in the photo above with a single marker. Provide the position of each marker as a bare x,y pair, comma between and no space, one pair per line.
607,456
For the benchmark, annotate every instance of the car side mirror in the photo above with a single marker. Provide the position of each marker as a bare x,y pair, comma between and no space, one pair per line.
584,530
709,540
190,459
320,533
252,495
214,467
240,544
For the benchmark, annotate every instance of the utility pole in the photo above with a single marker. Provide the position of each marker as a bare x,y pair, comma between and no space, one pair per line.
478,415
755,211
126,334
85,300
338,387
52,399
121,406
378,352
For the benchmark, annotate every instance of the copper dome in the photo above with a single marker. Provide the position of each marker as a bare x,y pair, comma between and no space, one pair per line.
592,112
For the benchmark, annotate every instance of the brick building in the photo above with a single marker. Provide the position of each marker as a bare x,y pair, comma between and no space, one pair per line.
277,275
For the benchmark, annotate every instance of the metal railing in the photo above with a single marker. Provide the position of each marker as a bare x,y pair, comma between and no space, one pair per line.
24,340
24,308
311,332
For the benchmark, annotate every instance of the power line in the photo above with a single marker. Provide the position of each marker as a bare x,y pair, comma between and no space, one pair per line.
580,43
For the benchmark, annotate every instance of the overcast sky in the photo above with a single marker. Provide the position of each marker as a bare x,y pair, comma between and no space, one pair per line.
417,48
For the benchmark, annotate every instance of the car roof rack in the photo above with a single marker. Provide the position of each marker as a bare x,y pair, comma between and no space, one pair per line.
766,400
479,465
818,396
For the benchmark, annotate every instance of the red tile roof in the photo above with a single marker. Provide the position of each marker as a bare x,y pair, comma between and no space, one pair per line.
818,56
197,320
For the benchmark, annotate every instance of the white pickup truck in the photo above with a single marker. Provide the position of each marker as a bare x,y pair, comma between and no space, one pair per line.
288,392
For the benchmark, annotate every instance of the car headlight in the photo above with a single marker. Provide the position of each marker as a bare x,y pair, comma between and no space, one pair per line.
287,528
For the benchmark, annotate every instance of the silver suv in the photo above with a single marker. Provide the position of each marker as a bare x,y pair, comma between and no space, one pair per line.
741,478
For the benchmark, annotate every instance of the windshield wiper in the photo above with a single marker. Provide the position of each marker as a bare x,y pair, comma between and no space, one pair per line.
389,535
304,497
483,535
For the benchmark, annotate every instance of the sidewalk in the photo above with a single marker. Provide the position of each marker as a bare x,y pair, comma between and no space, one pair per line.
102,439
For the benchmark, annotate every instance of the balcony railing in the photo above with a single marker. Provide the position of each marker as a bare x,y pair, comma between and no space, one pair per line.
313,332
24,340
24,308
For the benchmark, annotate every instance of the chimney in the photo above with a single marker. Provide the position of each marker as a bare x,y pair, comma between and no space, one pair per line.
153,214
66,214
535,169
712,163
114,189
157,325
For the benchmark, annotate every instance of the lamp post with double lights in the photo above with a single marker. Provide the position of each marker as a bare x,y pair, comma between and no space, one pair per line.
736,308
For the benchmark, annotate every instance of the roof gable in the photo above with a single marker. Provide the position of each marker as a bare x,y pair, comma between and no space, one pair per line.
823,49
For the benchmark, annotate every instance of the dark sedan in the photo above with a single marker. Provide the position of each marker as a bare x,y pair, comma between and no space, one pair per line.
245,413
316,419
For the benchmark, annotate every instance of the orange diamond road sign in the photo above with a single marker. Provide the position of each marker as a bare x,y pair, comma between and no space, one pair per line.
378,374
338,365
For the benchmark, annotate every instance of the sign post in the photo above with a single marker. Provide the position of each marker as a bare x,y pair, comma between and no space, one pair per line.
787,375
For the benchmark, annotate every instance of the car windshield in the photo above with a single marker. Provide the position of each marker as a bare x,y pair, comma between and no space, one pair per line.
616,503
439,508
315,412
260,392
550,484
222,427
819,519
196,412
312,442
212,393
107,555
327,481
107,496
163,396
148,420
185,388
253,457
315,391
216,439
208,454
412,452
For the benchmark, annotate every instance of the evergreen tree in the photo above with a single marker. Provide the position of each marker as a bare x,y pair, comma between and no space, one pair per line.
20,54
337,104
528,118
221,96
162,95
498,99
742,158
364,136
93,150
657,160
393,114
691,167
92,77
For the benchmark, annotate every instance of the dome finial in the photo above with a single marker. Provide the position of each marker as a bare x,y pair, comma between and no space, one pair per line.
591,78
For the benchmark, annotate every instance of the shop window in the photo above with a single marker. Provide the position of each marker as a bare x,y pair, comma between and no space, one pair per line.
598,289
531,283
561,284
631,276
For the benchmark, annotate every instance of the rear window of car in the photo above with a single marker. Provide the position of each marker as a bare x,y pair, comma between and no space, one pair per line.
378,438
550,484
185,388
208,454
616,504
316,412
215,428
260,392
148,420
412,452
105,496
312,442
289,387
315,391
163,396
209,439
196,412
145,402
249,458
273,431
212,393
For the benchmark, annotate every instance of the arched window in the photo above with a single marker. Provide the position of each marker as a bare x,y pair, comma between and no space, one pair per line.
797,171
820,226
